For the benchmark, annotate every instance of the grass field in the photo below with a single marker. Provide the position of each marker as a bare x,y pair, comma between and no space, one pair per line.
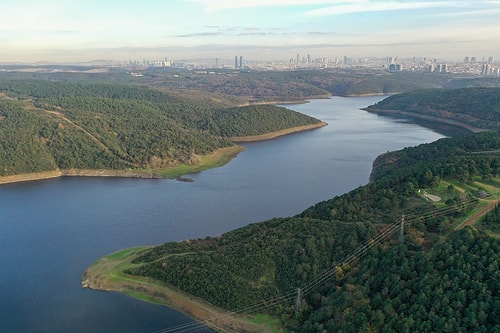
451,192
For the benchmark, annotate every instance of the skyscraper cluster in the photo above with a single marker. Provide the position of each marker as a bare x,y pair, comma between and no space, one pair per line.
236,64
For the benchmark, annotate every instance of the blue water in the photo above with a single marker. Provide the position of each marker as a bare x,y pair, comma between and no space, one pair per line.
51,230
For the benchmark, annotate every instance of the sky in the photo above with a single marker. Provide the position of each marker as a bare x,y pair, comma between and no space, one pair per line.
85,30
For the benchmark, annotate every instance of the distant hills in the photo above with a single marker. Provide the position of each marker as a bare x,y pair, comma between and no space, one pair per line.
265,86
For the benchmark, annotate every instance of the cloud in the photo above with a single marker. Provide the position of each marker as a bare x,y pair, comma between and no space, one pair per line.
342,7
476,12
353,7
217,5
199,34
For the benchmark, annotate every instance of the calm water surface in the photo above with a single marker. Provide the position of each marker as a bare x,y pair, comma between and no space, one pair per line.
51,230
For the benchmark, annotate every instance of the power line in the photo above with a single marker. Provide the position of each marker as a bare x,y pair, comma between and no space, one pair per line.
306,288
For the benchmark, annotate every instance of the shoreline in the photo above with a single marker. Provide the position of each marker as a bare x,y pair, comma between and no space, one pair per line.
28,177
272,135
106,274
412,115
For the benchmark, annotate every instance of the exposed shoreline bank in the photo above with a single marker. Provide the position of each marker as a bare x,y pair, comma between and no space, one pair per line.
27,177
272,135
427,118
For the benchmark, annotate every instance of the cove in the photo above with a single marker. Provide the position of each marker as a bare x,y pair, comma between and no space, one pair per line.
51,230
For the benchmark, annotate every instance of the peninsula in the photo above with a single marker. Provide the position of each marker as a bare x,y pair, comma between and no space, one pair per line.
53,129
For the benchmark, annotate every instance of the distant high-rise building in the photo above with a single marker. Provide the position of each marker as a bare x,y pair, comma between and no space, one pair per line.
298,59
466,60
473,60
235,62
490,60
395,67
241,62
485,70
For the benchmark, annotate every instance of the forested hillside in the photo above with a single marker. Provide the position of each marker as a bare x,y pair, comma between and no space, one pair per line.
344,255
477,107
46,125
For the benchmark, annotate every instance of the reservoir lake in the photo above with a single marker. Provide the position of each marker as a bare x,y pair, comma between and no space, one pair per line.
52,230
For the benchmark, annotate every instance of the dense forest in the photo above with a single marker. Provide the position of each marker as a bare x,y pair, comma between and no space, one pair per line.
344,255
478,107
46,125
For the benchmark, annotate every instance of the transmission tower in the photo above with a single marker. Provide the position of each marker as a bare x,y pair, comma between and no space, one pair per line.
402,230
298,301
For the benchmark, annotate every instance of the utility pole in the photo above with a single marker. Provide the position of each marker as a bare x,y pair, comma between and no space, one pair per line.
402,230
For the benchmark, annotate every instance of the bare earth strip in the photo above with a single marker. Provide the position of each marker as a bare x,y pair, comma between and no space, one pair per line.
26,177
107,274
478,215
276,134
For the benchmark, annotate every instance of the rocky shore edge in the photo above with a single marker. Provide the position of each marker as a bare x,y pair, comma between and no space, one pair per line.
26,177
272,135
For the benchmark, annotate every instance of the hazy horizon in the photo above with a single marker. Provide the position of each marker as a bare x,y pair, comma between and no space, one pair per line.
259,30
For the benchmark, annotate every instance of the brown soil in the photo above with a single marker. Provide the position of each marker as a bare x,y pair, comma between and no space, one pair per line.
479,214
25,177
276,134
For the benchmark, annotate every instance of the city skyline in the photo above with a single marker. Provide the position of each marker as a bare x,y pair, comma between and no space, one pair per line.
72,31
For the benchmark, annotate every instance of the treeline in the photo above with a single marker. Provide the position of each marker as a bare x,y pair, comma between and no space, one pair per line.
460,158
46,125
478,107
255,263
240,121
451,287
